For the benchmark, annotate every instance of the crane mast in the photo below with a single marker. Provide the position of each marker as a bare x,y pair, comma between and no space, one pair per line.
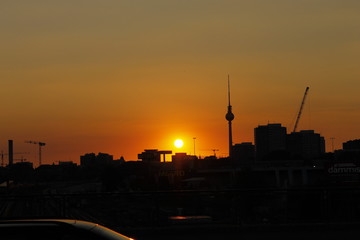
301,108
41,144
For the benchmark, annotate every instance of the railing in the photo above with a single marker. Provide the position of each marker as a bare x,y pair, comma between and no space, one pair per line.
158,209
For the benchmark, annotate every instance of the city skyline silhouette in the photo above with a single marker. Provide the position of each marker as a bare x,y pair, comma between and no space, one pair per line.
180,119
134,76
173,147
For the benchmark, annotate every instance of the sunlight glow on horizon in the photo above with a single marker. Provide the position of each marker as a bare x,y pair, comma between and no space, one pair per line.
84,80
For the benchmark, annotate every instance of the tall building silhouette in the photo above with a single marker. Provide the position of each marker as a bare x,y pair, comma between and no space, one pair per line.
229,117
269,138
306,144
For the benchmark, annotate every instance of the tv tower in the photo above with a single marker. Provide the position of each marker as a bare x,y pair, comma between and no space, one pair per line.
229,117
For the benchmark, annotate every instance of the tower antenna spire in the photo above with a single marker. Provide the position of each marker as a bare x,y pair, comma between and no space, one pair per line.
229,89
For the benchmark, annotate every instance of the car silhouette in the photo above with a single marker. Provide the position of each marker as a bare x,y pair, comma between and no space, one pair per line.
56,229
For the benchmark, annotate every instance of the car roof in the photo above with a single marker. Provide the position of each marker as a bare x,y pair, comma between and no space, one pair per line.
72,223
76,223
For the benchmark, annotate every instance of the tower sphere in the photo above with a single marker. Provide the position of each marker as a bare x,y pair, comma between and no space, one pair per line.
229,116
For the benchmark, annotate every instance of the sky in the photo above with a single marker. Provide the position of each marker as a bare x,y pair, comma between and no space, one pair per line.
119,77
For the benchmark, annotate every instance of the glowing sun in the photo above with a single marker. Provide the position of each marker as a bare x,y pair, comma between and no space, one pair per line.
178,143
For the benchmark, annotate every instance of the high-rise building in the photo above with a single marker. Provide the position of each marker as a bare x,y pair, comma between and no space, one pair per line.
305,144
269,138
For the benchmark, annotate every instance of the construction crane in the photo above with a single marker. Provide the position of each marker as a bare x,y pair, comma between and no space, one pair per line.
6,154
41,144
301,108
214,150
20,159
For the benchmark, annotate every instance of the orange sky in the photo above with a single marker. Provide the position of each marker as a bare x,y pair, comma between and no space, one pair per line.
123,76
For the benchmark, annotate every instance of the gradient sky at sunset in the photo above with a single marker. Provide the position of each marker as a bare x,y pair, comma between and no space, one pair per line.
123,76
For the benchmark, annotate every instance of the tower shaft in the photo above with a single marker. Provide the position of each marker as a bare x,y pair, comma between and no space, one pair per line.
230,140
229,117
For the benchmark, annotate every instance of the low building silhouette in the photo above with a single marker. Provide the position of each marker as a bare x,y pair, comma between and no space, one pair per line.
184,161
153,155
93,160
352,145
350,152
21,171
244,153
